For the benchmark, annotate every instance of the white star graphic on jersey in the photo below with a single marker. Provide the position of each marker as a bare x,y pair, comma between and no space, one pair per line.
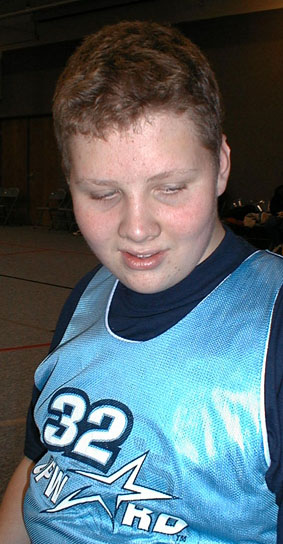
138,492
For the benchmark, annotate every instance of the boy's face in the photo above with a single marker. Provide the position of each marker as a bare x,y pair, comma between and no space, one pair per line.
145,200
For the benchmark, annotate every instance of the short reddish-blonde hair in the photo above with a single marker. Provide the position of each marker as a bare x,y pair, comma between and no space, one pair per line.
129,69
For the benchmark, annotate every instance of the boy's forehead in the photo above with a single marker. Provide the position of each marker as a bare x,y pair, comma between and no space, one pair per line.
153,121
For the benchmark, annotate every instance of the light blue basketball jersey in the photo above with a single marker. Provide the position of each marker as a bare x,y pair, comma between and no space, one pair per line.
164,440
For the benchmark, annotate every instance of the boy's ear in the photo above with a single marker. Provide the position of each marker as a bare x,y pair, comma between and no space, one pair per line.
224,166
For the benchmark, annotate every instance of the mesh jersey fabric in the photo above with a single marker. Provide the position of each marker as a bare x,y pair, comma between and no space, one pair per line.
249,325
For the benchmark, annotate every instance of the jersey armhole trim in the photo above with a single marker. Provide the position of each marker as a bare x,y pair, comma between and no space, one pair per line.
262,394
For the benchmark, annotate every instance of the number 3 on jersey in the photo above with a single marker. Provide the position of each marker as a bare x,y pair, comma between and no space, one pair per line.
91,433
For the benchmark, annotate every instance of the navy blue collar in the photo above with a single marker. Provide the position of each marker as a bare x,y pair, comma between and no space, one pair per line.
139,316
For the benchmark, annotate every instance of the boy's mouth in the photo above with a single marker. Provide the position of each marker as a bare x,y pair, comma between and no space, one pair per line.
142,261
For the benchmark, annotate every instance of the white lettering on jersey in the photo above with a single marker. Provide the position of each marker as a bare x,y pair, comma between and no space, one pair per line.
142,514
50,471
93,434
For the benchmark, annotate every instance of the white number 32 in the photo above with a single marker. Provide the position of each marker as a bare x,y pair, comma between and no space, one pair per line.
91,433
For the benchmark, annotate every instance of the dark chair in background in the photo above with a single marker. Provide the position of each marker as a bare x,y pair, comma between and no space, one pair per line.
56,200
8,199
66,215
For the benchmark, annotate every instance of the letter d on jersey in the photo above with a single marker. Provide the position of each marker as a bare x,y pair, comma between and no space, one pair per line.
169,525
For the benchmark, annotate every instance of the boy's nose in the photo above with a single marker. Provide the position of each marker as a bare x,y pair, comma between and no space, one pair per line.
138,223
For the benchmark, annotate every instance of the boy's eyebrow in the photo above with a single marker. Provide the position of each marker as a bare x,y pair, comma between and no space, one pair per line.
168,173
92,181
157,177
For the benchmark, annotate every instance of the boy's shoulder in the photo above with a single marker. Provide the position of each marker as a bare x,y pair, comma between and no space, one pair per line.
70,306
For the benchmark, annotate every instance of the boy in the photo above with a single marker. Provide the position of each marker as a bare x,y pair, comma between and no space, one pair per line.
159,406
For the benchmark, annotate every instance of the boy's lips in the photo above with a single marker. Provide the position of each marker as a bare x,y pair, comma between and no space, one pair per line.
143,260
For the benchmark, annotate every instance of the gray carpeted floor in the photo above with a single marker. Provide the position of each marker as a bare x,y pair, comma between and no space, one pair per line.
38,268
